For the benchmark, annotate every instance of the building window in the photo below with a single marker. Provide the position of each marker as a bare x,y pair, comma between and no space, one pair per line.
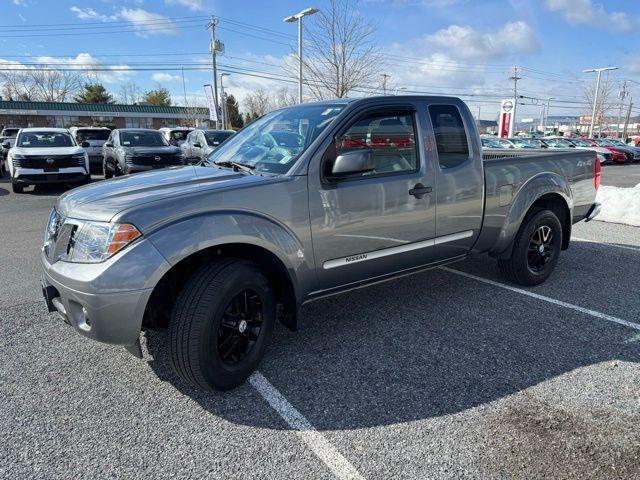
136,122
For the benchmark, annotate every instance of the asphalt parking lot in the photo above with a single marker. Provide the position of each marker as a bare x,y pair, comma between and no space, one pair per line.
446,374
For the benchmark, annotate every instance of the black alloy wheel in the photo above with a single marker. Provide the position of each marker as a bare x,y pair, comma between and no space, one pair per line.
541,248
240,327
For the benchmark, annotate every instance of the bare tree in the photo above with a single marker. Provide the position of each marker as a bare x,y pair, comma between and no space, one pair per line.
193,112
341,55
18,85
285,97
129,93
40,84
606,101
257,104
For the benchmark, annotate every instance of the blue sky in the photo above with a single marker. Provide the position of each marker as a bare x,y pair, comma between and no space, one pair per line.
460,47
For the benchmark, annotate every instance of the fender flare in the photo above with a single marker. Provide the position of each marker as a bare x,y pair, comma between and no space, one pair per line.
536,187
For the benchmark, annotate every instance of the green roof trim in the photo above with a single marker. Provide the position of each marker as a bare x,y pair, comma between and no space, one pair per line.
95,107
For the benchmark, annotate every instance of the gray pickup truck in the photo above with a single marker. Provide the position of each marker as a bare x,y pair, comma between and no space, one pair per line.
306,202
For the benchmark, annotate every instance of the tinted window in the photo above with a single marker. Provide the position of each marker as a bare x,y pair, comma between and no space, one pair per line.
391,137
86,135
45,139
10,132
179,135
451,137
142,139
216,138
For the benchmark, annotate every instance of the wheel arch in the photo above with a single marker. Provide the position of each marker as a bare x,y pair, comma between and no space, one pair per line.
165,293
544,191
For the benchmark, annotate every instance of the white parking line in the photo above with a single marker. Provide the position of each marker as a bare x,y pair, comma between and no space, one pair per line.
577,308
626,247
331,457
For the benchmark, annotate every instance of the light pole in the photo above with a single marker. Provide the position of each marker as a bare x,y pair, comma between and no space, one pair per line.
546,117
293,18
223,101
595,96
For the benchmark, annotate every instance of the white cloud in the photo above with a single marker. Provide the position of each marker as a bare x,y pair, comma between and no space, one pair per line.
148,23
20,3
587,12
110,74
165,77
463,42
91,14
190,4
145,23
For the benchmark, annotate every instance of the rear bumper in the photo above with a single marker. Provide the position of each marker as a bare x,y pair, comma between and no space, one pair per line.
593,212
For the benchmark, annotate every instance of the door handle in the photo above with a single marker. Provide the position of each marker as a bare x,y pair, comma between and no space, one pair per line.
419,190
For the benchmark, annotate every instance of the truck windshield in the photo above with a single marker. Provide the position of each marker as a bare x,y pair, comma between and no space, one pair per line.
45,139
274,142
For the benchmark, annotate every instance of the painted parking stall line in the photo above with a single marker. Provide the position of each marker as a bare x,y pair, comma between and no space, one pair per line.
577,308
625,247
329,455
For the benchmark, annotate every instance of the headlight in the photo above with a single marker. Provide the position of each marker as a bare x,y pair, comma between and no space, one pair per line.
17,156
94,242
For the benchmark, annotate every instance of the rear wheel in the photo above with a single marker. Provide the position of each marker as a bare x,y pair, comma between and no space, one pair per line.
221,324
536,249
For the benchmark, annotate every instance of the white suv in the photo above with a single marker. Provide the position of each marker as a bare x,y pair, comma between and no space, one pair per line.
47,155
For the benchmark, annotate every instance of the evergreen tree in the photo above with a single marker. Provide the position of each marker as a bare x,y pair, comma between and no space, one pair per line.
94,93
160,96
234,118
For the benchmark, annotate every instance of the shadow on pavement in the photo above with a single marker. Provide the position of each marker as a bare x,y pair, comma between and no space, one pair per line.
420,347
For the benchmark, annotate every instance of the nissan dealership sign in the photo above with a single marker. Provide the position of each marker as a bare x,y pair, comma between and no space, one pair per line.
507,118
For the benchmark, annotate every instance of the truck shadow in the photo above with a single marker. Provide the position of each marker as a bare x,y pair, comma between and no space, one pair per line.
420,347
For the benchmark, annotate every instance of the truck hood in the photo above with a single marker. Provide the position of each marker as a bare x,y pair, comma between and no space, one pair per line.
101,201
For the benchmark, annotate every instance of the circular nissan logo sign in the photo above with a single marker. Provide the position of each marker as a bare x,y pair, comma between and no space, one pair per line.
507,106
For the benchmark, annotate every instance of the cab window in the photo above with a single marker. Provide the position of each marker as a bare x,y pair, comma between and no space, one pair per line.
390,136
451,137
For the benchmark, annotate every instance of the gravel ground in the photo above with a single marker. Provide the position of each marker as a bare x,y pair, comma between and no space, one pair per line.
430,376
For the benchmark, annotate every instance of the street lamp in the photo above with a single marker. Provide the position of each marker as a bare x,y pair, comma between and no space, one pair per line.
595,96
223,101
293,18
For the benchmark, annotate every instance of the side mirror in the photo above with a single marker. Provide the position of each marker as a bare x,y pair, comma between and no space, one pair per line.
85,144
108,145
6,145
352,163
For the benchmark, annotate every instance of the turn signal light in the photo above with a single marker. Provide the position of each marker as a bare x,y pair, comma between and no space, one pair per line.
123,235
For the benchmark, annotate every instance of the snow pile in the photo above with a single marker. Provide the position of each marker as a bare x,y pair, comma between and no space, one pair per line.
619,205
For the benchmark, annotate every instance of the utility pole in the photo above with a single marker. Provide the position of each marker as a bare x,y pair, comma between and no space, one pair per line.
213,22
184,89
223,101
515,79
298,18
596,94
621,95
626,121
385,76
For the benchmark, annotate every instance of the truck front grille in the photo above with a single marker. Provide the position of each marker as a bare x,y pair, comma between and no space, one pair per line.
152,160
49,161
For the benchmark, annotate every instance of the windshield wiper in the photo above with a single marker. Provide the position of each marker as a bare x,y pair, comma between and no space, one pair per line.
236,166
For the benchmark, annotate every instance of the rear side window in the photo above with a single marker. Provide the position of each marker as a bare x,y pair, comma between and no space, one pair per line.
391,137
451,137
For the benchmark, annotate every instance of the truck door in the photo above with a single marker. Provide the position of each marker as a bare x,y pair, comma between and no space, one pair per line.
459,176
376,222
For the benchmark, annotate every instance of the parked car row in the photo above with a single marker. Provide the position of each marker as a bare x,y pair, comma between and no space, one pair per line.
56,155
608,150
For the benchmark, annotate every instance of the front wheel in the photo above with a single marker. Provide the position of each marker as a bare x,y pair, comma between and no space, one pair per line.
221,324
536,249
16,188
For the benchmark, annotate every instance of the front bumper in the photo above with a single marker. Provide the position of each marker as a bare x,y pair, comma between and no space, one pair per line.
104,301
34,176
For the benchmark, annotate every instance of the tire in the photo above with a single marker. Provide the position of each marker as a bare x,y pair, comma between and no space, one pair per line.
528,266
198,337
16,188
107,173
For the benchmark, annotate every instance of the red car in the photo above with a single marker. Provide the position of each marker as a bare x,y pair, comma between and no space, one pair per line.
620,155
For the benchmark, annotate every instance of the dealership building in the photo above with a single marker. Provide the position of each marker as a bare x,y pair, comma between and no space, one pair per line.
63,114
